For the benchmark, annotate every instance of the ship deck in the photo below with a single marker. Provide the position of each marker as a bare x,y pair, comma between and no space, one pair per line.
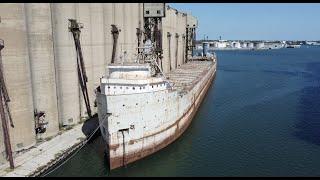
187,75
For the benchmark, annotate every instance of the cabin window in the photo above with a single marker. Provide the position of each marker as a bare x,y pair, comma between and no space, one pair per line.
133,88
108,87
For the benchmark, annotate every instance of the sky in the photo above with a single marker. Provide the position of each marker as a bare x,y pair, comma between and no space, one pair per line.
255,21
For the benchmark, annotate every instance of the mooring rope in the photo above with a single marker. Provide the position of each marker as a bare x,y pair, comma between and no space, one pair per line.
89,137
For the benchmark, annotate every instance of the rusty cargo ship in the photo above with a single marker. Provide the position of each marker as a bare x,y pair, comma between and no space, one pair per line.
141,109
140,114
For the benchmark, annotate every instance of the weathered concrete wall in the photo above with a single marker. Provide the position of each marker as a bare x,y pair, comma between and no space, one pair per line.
40,46
83,15
98,47
39,58
16,64
65,59
174,24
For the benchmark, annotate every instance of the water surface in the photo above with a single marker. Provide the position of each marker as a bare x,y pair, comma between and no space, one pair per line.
259,118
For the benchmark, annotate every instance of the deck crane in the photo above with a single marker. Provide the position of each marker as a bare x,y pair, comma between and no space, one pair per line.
74,28
5,111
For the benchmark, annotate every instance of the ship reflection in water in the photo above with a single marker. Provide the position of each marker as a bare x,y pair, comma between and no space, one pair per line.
259,118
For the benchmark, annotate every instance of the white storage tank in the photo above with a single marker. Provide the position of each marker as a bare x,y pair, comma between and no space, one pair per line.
260,45
222,44
215,44
244,45
236,44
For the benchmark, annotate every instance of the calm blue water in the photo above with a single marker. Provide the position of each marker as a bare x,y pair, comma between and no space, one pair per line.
261,117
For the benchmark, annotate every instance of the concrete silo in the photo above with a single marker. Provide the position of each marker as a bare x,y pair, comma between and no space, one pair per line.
16,67
108,13
41,55
167,39
173,25
65,59
98,46
83,15
119,19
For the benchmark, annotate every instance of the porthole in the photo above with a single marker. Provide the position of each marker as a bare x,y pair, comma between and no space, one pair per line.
152,86
140,87
133,88
108,87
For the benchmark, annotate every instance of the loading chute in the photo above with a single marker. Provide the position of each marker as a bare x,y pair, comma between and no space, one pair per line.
5,111
74,28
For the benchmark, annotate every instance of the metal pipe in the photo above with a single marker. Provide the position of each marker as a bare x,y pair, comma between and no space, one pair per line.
115,33
169,48
177,46
83,79
3,99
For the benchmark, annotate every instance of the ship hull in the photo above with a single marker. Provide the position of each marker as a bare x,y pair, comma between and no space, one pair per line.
122,152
